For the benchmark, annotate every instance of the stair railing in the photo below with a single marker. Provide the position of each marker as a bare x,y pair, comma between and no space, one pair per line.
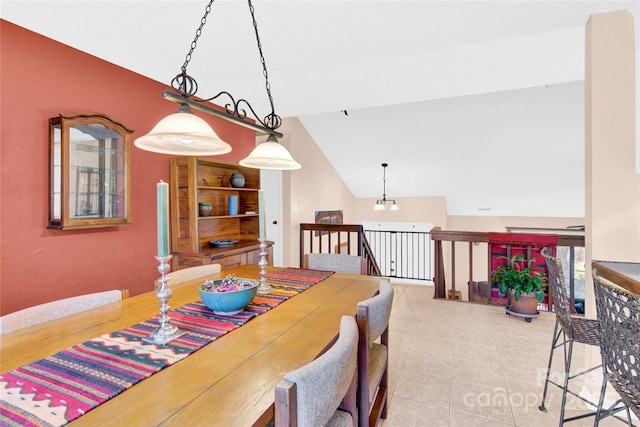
337,238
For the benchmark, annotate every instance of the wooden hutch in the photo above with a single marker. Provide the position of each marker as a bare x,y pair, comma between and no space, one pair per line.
197,180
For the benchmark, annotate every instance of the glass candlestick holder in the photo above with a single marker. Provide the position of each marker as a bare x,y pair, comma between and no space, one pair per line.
263,288
164,332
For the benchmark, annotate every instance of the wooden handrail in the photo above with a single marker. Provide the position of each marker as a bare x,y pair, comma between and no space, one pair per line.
438,236
459,236
335,237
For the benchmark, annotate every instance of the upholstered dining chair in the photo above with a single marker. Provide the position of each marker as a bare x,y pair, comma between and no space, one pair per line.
191,273
312,394
340,263
619,316
373,356
55,309
568,330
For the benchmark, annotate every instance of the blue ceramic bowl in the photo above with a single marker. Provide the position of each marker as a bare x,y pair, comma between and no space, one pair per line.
227,303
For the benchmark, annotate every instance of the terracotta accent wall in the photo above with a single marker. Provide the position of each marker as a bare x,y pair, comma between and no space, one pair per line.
612,184
41,78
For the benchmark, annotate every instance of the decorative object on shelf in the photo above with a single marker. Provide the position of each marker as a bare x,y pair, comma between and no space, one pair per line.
236,180
380,204
184,133
223,243
264,287
233,205
89,164
204,208
228,296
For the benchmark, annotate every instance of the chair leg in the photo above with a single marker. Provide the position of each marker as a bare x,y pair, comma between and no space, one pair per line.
567,370
629,416
556,335
603,388
601,412
384,384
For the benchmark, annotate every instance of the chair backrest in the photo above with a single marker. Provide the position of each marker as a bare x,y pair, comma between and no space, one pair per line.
340,263
559,290
373,358
191,273
619,316
55,309
310,395
377,311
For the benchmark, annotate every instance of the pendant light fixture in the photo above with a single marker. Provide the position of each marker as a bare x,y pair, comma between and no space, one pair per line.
270,155
183,133
380,203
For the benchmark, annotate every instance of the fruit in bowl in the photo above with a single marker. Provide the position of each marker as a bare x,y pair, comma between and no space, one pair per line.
228,296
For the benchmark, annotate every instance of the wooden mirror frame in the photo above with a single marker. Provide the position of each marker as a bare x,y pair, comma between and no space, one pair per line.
89,177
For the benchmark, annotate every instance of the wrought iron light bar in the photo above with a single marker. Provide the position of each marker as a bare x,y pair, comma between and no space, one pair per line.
205,108
183,133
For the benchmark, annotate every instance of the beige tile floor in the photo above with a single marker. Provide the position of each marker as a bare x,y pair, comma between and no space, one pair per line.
461,364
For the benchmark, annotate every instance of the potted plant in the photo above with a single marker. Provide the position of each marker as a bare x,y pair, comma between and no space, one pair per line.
522,281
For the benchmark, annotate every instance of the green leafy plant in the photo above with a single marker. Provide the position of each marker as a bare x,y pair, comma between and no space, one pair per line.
520,276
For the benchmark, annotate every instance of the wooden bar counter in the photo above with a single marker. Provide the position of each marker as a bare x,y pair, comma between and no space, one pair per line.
623,274
229,382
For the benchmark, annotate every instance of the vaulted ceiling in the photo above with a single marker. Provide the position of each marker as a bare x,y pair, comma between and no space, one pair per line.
478,101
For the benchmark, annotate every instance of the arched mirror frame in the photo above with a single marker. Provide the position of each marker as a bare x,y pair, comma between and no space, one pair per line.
89,173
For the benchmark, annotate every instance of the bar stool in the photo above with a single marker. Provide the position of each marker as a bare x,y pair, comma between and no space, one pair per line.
571,329
619,317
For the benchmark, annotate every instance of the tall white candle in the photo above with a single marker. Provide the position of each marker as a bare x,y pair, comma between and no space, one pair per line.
262,219
163,218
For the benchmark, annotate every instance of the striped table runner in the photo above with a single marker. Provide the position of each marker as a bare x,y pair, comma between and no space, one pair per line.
58,389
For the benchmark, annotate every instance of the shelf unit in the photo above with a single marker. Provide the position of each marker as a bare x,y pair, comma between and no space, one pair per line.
196,180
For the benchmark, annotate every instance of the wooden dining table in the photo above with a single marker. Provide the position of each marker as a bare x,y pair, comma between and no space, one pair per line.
229,382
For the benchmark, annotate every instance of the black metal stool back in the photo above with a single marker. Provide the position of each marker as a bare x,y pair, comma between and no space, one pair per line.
619,317
568,329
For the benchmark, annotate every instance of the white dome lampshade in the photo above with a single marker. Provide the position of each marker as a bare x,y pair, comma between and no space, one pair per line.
270,155
183,133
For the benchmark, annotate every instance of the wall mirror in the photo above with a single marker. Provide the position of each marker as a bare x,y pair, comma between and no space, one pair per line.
89,172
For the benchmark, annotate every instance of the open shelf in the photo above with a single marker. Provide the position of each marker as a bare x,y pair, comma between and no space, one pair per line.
190,232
